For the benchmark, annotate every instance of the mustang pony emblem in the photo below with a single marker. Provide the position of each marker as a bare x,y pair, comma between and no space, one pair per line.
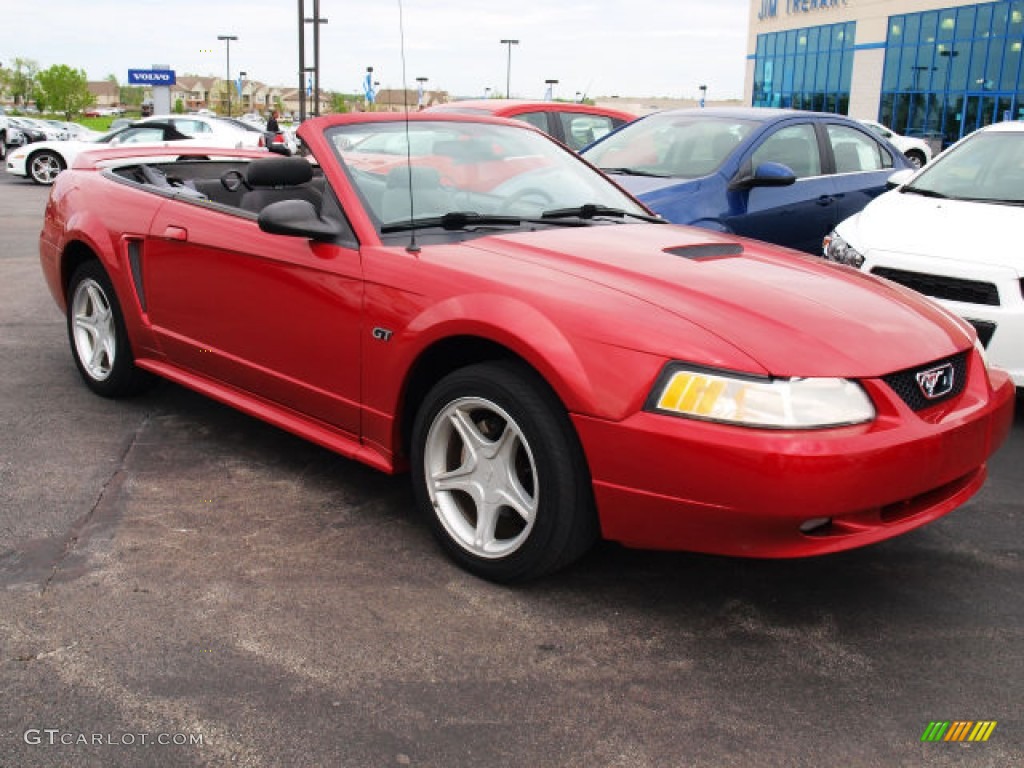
936,382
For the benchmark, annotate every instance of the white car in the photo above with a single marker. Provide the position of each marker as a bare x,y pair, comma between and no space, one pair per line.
950,232
42,161
917,151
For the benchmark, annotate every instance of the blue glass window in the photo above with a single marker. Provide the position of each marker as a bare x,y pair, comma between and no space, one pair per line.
807,68
947,72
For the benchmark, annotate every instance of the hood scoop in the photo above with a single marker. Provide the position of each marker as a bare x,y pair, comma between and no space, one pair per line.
702,251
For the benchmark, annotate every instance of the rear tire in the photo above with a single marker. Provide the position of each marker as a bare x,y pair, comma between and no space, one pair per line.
99,342
916,158
499,471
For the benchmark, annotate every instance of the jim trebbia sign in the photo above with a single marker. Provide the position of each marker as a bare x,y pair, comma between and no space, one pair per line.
770,8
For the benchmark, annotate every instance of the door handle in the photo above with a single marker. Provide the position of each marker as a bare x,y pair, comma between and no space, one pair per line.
825,200
172,232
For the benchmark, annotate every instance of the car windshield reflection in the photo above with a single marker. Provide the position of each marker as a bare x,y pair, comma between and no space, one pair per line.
986,168
684,147
416,175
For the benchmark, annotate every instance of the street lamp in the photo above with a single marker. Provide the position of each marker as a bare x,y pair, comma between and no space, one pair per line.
703,94
508,69
227,44
316,21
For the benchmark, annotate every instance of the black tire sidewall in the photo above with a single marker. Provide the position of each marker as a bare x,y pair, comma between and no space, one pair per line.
565,524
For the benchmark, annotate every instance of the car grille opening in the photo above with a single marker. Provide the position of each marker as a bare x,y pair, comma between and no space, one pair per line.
905,383
985,330
942,287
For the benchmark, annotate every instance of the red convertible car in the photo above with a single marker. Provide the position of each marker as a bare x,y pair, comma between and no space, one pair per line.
464,298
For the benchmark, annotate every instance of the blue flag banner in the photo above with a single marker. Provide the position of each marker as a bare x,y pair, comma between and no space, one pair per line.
371,94
238,84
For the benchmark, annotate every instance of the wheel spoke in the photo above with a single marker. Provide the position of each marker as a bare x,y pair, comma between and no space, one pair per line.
475,442
485,535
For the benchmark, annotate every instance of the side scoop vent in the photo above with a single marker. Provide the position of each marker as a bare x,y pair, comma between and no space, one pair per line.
706,251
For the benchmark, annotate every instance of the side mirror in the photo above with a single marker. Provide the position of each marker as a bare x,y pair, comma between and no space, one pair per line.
766,175
899,178
297,218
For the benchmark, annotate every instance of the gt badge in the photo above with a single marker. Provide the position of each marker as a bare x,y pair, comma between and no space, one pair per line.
936,382
382,334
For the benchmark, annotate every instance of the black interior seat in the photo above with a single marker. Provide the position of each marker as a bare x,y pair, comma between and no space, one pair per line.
278,178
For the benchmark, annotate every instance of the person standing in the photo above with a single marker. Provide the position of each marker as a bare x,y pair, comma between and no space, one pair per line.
272,125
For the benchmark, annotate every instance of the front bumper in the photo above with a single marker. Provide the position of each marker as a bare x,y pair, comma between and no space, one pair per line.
669,483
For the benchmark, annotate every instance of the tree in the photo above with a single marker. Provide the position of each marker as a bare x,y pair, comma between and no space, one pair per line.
131,95
65,89
20,80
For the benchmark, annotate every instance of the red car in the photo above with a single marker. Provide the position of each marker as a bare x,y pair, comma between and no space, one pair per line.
465,298
575,125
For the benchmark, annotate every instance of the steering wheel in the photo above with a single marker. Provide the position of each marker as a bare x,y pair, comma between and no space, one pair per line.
234,180
532,196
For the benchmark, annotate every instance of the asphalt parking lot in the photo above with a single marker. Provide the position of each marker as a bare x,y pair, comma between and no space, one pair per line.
181,585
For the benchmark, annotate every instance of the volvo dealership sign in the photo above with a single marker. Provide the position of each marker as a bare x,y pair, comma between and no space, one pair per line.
151,77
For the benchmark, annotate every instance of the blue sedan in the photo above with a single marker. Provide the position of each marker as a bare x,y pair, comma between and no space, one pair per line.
779,175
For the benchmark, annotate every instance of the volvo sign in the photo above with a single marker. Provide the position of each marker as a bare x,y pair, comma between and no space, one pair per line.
151,77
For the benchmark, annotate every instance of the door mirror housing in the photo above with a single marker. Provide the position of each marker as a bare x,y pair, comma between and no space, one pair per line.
899,178
297,218
766,175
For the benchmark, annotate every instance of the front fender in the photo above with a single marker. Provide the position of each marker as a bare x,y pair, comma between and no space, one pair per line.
588,376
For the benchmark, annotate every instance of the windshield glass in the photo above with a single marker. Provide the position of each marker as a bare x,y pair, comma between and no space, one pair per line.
670,144
987,167
456,167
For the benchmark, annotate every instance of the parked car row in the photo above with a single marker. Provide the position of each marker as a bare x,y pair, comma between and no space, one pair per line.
42,161
792,178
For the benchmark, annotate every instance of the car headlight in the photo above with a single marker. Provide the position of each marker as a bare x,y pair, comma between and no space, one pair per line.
834,248
751,401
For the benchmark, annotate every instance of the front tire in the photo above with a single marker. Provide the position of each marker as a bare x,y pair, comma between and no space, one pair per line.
44,166
99,342
499,471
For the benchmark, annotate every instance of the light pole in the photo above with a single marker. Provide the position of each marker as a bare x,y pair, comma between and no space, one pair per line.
508,68
227,44
316,21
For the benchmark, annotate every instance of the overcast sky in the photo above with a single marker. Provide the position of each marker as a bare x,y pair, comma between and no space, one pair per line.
598,47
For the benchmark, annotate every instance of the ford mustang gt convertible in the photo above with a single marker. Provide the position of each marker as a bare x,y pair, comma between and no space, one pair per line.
464,298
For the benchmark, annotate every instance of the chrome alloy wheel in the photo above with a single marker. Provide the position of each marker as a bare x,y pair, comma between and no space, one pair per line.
481,477
44,168
94,331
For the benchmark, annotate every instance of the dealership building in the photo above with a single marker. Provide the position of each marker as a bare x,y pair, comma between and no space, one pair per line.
933,68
